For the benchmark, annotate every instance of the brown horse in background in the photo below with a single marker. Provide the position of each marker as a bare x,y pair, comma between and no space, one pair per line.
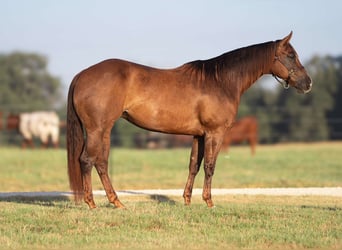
199,98
245,129
1,122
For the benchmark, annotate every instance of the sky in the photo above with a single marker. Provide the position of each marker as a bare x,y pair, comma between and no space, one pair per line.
74,34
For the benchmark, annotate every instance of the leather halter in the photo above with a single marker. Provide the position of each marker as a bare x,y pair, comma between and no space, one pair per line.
284,82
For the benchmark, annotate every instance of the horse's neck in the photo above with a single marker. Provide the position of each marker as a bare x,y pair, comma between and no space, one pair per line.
250,80
256,64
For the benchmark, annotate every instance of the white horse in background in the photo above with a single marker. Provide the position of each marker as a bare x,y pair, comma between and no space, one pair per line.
39,124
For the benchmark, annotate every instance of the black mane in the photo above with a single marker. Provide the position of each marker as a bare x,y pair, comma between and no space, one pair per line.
240,61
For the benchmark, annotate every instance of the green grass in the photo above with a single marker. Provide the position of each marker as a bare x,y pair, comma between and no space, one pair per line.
293,165
163,222
238,222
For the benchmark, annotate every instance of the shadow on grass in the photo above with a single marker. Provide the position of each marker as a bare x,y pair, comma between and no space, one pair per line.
156,197
162,199
333,209
52,200
48,201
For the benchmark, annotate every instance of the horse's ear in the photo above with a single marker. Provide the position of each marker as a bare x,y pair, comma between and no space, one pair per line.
286,39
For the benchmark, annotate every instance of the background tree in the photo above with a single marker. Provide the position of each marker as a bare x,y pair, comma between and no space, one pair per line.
307,114
259,101
289,116
335,114
26,84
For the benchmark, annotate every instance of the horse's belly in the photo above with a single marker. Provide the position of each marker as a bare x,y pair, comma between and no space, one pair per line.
166,121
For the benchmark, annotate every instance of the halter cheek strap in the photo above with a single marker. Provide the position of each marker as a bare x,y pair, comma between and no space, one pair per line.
284,82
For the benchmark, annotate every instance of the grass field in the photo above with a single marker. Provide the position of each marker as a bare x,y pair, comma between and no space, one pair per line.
156,222
293,165
237,222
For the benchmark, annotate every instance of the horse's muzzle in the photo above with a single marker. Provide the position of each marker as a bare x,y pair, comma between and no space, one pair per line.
304,85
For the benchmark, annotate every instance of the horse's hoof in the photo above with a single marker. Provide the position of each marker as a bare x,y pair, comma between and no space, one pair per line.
187,202
91,204
118,204
210,203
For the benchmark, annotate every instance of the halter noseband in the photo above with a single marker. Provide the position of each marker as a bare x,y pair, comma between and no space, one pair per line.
284,82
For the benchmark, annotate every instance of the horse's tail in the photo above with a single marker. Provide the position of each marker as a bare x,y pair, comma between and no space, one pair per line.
75,143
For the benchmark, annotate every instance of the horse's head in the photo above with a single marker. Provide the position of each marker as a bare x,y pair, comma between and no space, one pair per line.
286,65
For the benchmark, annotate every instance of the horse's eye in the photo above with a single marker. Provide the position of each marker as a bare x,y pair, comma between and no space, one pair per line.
291,55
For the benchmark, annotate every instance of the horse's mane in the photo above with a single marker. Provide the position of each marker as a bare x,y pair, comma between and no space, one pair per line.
243,62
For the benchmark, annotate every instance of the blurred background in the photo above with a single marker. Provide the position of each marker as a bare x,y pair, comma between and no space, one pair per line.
45,43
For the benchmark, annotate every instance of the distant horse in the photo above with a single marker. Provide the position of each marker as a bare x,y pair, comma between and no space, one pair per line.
1,122
245,129
199,98
41,124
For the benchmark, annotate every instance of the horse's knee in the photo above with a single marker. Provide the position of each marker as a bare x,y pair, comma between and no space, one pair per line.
87,162
209,169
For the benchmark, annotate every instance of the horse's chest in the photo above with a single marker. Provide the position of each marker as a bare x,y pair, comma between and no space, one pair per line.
216,113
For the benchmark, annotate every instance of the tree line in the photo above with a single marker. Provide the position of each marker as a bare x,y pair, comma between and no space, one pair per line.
283,115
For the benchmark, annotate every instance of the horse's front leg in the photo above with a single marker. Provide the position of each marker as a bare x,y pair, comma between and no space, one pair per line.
196,157
213,144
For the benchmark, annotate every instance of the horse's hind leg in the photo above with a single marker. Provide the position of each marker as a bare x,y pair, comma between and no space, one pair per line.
196,157
96,153
87,160
102,169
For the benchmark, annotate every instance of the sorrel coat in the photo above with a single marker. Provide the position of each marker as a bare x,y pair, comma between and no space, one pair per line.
199,98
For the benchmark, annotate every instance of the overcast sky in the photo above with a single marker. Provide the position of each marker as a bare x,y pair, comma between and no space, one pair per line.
75,34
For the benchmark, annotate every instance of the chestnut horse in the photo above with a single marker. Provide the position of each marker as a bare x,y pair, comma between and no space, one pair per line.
199,98
245,129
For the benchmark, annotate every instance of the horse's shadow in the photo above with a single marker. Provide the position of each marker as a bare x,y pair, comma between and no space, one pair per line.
155,197
52,201
48,201
162,199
